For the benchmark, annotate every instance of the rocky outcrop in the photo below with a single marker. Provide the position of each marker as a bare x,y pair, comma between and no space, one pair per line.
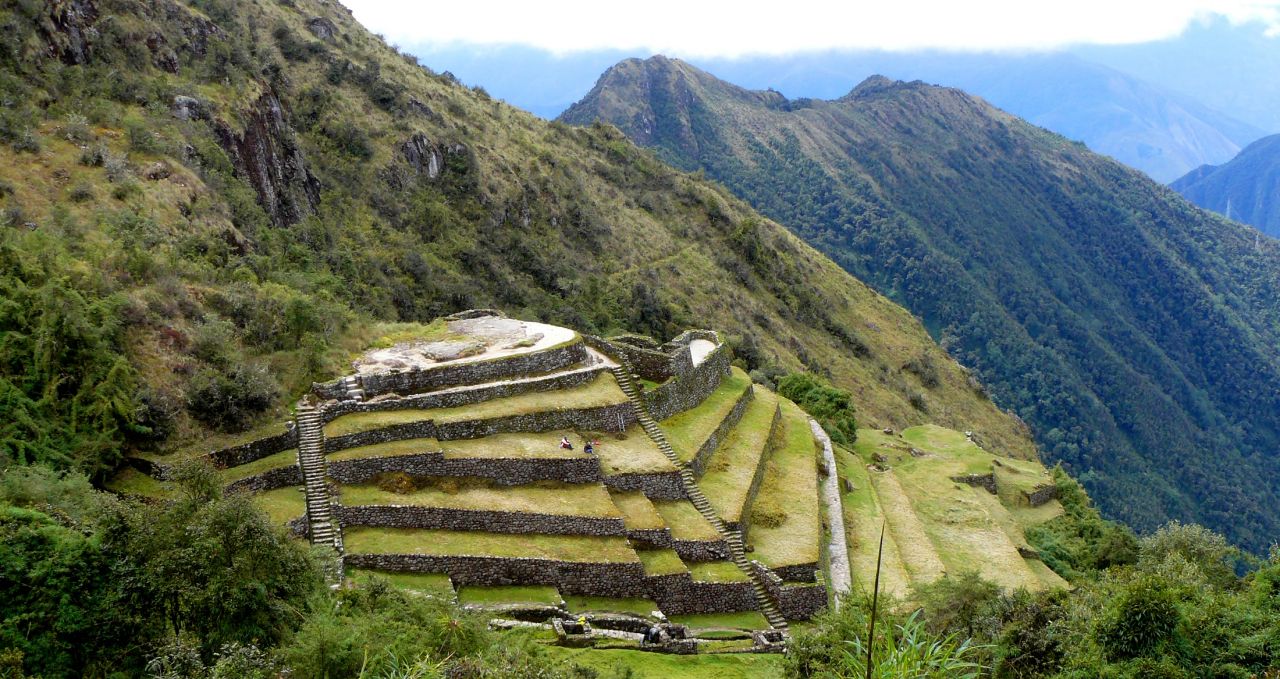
427,157
268,156
69,30
322,28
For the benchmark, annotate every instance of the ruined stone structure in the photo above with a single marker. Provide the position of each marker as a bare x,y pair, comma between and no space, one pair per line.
680,375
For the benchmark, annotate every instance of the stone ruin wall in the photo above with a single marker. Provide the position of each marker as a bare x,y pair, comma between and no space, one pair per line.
451,375
721,432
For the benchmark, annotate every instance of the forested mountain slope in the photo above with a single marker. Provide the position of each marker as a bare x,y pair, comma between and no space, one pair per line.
207,203
1139,336
1246,188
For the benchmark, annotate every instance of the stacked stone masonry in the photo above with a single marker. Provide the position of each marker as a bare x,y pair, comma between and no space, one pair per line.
743,524
708,448
467,372
440,518
503,471
456,397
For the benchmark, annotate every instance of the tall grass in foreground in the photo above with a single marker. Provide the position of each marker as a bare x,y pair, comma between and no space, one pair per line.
909,651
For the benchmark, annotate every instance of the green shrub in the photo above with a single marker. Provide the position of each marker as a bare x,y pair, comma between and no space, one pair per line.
831,407
230,400
1142,622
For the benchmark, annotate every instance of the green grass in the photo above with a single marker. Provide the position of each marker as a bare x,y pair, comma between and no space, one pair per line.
634,452
661,561
943,525
863,519
566,499
427,583
130,481
599,604
638,512
685,521
389,449
286,458
519,446
791,486
513,594
282,504
646,665
716,571
742,620
211,442
687,431
602,391
578,548
728,477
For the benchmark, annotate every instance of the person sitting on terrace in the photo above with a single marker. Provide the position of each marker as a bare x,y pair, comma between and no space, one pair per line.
564,443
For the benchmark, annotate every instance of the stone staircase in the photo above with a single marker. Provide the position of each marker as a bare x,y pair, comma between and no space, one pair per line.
768,607
351,386
320,524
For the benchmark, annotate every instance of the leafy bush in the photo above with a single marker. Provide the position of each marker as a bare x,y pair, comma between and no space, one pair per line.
1142,622
230,400
831,407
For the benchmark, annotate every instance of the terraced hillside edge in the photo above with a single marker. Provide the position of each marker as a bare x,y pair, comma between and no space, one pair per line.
233,195
1138,336
460,473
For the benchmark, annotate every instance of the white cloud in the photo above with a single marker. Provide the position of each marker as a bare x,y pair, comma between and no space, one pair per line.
718,28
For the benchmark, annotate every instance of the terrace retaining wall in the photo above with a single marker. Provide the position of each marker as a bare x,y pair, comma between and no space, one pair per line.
721,432
612,418
796,601
619,580
503,471
439,518
464,396
679,594
655,485
743,524
688,389
460,373
280,477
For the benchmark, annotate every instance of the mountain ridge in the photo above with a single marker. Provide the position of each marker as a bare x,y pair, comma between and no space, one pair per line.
1243,188
1032,260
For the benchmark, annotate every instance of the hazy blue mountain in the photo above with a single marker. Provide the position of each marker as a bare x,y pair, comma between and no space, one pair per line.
1246,189
1234,69
1160,132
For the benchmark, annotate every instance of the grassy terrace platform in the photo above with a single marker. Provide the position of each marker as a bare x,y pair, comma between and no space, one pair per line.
634,452
661,562
579,548
749,620
389,449
687,431
638,512
944,525
544,595
286,458
728,477
716,571
208,443
130,481
427,583
522,446
579,499
790,489
684,521
600,604
602,391
282,504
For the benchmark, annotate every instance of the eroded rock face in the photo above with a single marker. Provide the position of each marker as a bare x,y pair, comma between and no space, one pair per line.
69,30
187,108
428,157
268,155
322,28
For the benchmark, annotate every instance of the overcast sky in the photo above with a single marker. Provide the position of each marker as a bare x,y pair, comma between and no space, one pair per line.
704,29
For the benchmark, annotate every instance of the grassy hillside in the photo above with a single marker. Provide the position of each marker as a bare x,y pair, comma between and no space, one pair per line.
208,204
1138,336
1243,189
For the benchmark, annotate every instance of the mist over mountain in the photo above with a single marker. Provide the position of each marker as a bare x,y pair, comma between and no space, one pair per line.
1137,335
1150,127
1246,189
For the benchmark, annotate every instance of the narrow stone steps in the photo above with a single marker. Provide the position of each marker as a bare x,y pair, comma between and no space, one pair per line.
321,527
622,374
